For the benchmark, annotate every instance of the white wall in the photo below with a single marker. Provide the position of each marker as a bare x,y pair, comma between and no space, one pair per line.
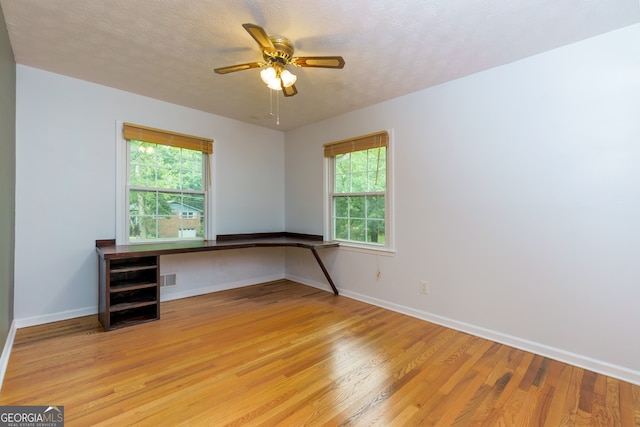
65,192
517,198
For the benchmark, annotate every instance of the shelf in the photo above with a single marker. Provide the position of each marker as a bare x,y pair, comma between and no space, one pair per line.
133,304
134,316
131,285
131,321
132,267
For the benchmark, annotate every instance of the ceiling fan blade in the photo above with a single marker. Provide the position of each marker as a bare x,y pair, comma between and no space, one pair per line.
319,61
260,35
289,91
239,67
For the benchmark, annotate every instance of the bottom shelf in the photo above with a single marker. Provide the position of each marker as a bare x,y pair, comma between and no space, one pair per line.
134,316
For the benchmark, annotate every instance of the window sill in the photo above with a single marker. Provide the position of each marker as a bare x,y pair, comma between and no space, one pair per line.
384,251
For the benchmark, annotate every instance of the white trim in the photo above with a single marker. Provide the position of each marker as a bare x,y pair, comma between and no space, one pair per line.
327,171
305,281
210,199
352,247
169,295
6,352
55,317
390,197
581,361
121,185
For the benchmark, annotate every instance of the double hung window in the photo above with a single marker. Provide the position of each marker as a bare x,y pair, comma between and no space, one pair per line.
167,181
358,190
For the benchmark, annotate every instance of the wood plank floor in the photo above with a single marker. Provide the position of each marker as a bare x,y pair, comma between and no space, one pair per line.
284,354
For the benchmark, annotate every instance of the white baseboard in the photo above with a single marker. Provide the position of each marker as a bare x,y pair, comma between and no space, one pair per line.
324,286
169,296
581,361
55,317
6,352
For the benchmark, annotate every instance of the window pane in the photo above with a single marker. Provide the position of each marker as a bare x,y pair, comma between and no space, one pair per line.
142,214
142,153
193,218
359,161
341,207
343,183
192,175
356,207
168,177
359,182
378,182
192,156
142,175
357,230
142,170
375,231
375,207
341,229
343,163
168,215
377,158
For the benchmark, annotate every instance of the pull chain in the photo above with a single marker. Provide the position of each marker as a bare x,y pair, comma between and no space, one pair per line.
271,102
271,91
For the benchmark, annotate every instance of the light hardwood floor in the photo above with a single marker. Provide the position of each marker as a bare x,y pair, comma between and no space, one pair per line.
286,354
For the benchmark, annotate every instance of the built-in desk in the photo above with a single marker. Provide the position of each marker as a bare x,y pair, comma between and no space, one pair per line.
129,275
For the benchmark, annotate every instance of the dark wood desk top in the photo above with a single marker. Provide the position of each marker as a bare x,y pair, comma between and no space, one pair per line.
107,249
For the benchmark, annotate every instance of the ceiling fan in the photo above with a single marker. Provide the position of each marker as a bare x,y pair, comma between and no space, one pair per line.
277,52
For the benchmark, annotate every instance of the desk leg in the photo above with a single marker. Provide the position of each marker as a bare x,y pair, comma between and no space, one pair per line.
324,270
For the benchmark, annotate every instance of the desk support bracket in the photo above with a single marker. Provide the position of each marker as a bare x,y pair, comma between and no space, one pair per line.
324,270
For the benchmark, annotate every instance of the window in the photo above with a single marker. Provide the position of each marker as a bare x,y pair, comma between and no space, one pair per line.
167,182
358,190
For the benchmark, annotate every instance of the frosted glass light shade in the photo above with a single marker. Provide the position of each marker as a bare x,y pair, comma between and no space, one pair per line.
268,74
288,79
275,84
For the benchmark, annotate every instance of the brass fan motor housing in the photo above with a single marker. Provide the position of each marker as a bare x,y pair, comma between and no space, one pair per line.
283,53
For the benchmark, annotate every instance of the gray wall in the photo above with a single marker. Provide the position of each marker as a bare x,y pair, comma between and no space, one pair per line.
7,178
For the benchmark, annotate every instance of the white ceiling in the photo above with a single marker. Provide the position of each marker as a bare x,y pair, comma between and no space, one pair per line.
167,49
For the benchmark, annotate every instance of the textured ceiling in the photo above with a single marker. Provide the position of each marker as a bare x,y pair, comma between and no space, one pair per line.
167,49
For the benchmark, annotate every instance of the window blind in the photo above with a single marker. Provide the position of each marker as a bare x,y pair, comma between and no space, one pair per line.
364,142
164,137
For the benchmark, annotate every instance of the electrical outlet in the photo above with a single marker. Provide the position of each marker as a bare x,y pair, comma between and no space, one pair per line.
424,287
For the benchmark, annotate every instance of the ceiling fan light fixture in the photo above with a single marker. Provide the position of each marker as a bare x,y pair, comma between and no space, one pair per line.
270,77
275,84
288,78
268,74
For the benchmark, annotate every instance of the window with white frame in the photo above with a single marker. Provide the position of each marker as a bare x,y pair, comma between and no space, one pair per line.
167,182
358,190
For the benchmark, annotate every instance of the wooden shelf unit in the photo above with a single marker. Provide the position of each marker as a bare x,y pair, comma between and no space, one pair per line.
129,291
